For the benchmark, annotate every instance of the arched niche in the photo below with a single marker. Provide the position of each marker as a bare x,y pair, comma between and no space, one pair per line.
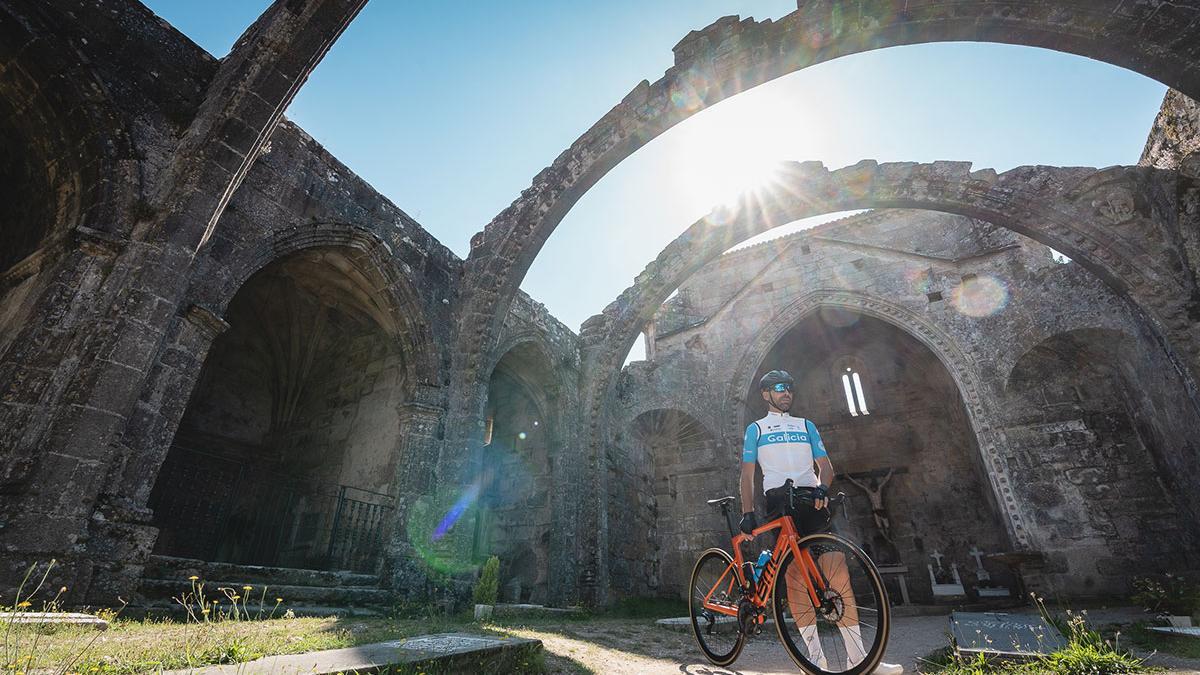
917,446
520,438
61,141
1097,458
287,450
661,471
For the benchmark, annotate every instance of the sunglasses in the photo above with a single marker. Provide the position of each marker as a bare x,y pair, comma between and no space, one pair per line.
781,386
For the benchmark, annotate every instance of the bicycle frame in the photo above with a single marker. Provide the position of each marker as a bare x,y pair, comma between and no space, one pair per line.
814,578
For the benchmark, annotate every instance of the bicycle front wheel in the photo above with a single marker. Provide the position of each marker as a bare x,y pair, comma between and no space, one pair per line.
713,598
830,607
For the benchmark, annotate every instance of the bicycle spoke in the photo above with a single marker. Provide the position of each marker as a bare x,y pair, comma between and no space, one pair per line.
848,625
715,585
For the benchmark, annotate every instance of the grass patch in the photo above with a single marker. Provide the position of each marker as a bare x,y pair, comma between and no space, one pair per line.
1177,645
152,645
1087,652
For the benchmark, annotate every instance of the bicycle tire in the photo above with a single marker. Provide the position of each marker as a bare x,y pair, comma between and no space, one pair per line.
719,637
869,594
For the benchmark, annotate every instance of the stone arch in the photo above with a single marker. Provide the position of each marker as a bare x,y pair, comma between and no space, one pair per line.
1111,488
61,179
291,441
961,367
732,55
664,465
403,312
524,432
79,182
1047,205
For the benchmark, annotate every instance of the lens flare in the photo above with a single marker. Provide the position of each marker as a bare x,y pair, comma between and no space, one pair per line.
460,507
980,296
918,281
444,528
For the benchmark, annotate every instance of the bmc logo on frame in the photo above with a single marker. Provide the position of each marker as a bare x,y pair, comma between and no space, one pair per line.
786,437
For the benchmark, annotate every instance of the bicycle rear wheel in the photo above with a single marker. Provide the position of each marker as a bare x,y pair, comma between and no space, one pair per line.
715,586
846,631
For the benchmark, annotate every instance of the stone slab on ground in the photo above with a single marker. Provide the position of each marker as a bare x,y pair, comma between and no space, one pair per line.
525,609
59,618
444,652
1193,631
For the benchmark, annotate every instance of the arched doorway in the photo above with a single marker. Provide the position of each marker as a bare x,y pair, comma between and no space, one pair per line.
898,435
287,450
514,518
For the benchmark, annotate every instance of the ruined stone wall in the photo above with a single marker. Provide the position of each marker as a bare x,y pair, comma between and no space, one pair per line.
662,462
1077,435
532,399
980,298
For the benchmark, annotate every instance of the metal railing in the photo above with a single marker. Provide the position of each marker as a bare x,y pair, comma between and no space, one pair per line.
356,538
215,508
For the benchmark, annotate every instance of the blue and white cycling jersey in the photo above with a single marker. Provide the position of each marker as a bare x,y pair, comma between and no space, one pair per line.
785,447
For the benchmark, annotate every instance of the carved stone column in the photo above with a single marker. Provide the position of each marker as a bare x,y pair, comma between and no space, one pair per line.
123,536
416,477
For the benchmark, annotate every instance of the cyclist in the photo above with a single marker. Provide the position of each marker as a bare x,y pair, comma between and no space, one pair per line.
787,448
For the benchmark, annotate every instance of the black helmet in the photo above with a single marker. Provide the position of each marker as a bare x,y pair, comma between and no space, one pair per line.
773,378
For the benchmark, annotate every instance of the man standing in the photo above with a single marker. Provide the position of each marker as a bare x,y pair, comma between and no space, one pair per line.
790,449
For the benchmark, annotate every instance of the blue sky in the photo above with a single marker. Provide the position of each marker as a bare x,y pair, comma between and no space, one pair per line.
451,108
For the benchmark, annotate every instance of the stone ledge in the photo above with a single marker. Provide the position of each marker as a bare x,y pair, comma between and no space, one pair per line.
445,652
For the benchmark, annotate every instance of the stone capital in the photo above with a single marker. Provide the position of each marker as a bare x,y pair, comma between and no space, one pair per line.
206,320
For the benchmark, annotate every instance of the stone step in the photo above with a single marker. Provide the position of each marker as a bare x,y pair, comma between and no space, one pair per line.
170,567
336,596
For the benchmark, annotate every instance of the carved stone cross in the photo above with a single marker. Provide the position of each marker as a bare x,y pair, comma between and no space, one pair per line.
937,557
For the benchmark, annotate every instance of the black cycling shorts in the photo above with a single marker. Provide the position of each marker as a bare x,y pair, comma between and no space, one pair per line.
807,519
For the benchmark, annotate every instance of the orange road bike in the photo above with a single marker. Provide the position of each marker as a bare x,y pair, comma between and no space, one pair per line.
824,594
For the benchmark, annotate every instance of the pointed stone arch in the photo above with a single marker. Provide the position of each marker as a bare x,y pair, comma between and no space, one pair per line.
399,307
961,366
733,55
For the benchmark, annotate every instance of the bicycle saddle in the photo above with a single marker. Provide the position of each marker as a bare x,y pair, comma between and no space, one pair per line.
722,501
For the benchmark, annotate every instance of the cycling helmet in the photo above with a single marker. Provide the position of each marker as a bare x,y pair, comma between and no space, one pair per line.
773,378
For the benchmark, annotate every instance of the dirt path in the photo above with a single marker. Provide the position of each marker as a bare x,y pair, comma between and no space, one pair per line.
629,646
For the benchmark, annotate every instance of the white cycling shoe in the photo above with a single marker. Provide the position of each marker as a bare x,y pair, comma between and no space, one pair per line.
887,669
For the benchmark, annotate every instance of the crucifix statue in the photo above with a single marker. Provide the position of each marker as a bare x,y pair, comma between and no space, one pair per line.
874,490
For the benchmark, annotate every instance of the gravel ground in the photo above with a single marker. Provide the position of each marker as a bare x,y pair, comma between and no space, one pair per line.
638,646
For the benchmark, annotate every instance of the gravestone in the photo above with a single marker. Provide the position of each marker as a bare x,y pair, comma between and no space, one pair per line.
1003,634
985,587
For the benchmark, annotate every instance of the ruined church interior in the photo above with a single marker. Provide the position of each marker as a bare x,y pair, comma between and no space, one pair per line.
220,348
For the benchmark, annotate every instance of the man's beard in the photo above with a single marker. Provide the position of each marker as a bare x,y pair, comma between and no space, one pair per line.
779,406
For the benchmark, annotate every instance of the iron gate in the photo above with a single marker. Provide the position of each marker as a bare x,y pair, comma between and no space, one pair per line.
213,508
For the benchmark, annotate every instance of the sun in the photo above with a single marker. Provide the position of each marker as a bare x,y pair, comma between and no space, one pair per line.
720,164
734,148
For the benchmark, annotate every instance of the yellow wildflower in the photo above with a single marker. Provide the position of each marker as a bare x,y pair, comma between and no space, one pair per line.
278,599
24,603
193,578
247,588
